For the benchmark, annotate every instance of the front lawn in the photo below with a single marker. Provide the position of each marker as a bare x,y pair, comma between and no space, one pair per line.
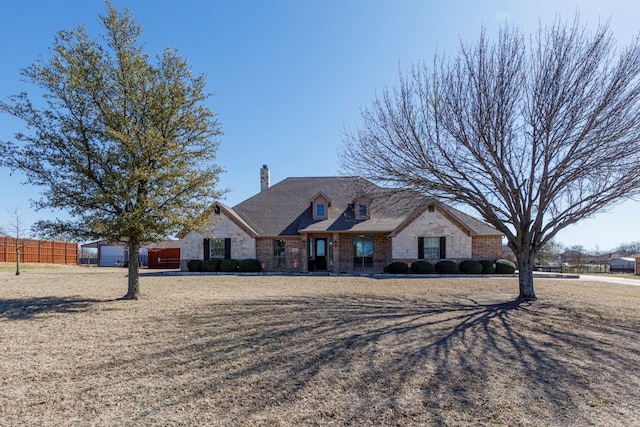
228,350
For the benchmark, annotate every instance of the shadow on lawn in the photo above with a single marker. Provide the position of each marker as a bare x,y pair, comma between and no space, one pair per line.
388,361
27,308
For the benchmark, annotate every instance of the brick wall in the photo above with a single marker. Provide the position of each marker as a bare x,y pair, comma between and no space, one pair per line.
294,254
486,247
343,262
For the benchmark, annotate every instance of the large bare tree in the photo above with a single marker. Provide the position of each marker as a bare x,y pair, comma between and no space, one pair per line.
124,143
534,134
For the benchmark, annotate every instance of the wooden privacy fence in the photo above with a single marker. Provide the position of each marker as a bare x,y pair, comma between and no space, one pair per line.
38,251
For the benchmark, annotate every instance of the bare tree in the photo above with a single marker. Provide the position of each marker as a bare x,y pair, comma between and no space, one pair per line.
628,248
533,136
18,228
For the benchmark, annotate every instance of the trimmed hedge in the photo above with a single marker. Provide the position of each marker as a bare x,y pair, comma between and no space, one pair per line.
397,268
421,267
229,265
194,265
446,267
504,266
469,266
210,265
249,266
488,267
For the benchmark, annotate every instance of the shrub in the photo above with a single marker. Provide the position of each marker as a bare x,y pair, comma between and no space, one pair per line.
249,266
210,265
229,265
504,266
194,265
470,266
446,267
488,267
397,268
421,267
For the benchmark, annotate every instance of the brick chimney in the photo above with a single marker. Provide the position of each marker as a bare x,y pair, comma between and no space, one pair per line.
265,178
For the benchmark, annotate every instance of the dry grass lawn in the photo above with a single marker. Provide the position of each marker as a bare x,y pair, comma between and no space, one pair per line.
294,350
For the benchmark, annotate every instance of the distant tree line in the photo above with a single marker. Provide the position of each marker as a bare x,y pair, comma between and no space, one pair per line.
577,254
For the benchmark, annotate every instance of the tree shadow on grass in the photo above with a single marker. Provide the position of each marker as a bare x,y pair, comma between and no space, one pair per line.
370,359
27,308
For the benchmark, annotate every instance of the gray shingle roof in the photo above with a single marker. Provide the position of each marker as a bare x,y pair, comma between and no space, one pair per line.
284,209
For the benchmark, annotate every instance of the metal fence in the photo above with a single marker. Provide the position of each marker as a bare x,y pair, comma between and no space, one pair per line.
38,251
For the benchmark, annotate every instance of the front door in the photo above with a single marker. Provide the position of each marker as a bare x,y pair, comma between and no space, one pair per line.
321,254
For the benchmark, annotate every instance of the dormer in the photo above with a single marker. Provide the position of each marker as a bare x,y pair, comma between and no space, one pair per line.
320,204
361,207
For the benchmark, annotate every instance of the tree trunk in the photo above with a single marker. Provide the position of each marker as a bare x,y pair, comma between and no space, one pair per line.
133,288
17,260
525,275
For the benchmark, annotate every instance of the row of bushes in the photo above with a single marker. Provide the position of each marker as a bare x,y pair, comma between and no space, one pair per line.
225,265
501,266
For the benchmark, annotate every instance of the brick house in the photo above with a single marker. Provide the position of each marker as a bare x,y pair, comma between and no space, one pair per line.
338,224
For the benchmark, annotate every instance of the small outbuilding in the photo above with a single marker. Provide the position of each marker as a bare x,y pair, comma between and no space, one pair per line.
109,254
164,254
622,265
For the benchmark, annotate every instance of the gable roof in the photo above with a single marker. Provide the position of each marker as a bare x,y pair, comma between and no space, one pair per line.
284,209
235,218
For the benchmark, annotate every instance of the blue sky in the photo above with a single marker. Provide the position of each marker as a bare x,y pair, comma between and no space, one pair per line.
290,76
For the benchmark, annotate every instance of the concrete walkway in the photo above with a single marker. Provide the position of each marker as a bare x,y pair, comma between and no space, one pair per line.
610,279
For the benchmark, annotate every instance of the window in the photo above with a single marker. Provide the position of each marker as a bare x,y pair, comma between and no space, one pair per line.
216,247
432,248
360,207
320,204
363,251
278,254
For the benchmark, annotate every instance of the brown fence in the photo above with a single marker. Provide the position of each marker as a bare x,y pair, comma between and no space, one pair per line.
38,251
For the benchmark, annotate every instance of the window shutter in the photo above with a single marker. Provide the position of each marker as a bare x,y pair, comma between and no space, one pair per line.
443,248
227,248
207,250
420,247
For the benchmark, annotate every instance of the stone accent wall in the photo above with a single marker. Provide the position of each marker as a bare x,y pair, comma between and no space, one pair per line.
486,247
243,246
431,224
265,178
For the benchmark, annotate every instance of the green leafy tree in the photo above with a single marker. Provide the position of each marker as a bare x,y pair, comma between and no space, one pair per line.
533,134
549,252
125,143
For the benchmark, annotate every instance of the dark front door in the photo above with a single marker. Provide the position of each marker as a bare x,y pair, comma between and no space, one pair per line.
321,254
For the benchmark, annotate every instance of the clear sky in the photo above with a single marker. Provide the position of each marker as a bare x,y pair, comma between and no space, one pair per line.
290,76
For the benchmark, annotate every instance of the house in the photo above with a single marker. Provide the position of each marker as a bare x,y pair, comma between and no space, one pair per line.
337,224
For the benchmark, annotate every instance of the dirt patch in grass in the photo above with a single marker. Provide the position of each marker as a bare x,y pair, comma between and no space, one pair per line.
227,350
